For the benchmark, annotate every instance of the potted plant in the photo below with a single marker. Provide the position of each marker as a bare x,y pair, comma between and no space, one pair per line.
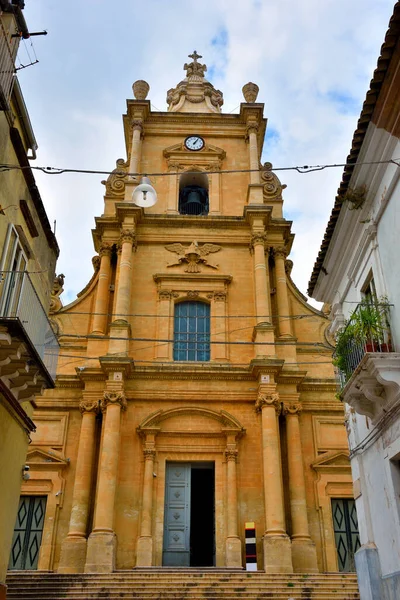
370,325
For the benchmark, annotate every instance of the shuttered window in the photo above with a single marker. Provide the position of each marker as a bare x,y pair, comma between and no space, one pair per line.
192,331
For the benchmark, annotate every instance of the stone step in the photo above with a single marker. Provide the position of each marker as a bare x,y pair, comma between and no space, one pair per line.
181,584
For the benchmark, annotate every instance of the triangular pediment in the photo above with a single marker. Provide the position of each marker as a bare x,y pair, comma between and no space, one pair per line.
332,460
209,152
39,457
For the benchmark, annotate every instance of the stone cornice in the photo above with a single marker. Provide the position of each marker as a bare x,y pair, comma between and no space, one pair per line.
69,381
327,385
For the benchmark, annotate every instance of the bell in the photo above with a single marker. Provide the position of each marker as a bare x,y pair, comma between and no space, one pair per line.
193,204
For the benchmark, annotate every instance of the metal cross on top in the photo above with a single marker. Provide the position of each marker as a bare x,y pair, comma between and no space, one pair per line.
195,56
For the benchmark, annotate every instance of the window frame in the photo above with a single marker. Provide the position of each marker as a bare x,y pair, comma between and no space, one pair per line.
189,327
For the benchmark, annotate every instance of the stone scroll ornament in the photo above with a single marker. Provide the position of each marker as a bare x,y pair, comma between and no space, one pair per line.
193,256
113,398
268,400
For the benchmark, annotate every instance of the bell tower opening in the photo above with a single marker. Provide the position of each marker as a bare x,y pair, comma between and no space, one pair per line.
193,194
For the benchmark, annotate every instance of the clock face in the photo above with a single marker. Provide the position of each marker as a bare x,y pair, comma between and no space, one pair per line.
194,142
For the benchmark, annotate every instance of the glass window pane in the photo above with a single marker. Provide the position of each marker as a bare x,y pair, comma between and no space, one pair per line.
191,331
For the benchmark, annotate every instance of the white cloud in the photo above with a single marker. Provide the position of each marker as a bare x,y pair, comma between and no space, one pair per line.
311,59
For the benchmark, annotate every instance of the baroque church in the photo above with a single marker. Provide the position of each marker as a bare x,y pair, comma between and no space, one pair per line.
195,392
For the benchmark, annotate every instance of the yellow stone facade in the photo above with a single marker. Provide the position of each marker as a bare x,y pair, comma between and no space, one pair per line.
262,411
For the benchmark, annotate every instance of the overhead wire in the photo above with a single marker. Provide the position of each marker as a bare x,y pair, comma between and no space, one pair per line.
300,169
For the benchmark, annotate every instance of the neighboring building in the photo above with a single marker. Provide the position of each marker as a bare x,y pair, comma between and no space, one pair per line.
358,264
28,253
194,388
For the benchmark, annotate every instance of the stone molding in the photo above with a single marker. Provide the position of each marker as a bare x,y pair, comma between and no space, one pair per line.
228,422
167,294
264,400
88,406
113,398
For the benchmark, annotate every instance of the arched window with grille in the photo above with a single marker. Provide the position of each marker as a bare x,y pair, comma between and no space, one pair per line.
192,331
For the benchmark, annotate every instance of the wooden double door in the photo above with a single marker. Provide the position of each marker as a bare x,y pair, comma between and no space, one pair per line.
28,533
189,515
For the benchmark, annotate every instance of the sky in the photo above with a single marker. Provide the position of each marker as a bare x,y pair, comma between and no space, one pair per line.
312,60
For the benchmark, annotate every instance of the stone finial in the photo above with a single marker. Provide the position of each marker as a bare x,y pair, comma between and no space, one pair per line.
250,92
140,89
194,93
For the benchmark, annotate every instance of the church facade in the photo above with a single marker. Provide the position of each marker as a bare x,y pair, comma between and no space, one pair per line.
194,391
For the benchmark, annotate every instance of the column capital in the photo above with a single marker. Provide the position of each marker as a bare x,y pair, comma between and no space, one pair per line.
251,128
280,251
231,454
149,453
268,400
89,406
137,124
127,236
113,398
105,249
292,408
217,296
167,294
259,238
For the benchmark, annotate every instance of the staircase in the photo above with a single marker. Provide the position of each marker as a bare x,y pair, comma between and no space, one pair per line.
181,584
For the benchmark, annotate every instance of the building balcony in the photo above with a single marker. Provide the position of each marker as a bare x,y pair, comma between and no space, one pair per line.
28,346
367,331
368,367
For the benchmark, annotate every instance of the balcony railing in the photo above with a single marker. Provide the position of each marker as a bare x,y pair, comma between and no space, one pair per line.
367,330
19,301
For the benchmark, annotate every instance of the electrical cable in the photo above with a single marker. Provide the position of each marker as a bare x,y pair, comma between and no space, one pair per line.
300,169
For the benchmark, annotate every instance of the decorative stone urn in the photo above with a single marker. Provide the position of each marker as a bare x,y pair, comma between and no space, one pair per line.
140,89
250,92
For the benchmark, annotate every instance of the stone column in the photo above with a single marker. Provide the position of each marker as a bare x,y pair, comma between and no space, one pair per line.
145,541
252,129
304,554
136,148
103,290
282,292
233,543
264,333
102,541
120,325
277,551
219,352
73,548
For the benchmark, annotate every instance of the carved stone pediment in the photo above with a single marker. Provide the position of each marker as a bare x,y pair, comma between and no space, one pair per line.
180,158
38,458
332,461
156,422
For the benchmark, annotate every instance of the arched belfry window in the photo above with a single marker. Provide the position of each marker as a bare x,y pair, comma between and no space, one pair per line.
193,194
192,331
